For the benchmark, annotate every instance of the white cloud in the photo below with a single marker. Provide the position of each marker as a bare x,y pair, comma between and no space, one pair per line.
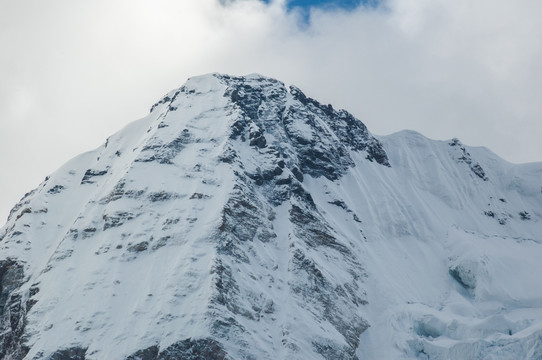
73,72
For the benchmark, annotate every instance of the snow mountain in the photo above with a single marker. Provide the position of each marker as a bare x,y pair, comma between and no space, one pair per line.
244,220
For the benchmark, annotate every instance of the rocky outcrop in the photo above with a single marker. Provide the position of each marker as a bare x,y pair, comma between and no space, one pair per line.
309,137
73,353
189,349
12,310
462,155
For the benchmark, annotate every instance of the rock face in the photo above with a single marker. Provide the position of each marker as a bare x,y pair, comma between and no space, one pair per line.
244,220
12,309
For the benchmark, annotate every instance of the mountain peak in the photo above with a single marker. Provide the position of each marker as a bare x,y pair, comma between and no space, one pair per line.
269,116
244,219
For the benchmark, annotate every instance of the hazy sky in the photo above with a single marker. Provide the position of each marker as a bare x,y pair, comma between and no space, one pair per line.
72,72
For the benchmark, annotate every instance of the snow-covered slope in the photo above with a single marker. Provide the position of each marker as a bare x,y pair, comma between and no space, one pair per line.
243,220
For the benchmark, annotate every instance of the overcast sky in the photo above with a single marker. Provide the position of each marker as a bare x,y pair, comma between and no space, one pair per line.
72,72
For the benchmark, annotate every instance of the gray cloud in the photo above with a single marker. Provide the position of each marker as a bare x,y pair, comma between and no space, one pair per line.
73,72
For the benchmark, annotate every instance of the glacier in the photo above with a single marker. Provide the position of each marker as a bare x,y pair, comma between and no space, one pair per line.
242,219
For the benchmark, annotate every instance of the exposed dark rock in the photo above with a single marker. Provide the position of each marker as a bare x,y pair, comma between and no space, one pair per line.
228,155
24,201
162,196
311,229
258,141
61,255
225,286
171,221
11,273
501,219
261,177
91,173
12,310
237,130
55,189
332,351
150,353
162,153
477,169
25,211
346,127
297,173
88,232
167,99
197,195
117,219
227,328
194,349
256,137
524,215
162,101
73,234
119,191
454,142
243,219
263,109
318,154
73,353
489,213
34,289
339,203
116,193
139,247
160,242
463,156
319,290
248,98
284,181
